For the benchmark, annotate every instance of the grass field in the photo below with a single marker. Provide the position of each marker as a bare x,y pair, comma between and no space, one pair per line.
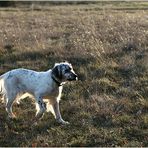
107,44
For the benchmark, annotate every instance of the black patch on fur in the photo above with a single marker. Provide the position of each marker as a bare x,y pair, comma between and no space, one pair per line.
57,73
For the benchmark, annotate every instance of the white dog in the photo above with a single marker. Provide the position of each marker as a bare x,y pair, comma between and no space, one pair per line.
48,84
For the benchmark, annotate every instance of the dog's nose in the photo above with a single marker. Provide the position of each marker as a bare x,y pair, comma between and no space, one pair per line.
76,75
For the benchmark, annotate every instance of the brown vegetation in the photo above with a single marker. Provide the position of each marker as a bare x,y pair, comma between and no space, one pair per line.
107,45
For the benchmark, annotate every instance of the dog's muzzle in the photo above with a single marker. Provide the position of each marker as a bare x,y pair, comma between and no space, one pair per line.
73,77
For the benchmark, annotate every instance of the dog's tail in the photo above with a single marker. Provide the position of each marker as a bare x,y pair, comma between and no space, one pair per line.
2,89
1,82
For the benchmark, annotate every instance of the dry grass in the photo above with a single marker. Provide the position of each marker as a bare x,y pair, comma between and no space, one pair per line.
108,48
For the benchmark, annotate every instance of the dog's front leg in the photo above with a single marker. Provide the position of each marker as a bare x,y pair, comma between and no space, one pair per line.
56,112
40,106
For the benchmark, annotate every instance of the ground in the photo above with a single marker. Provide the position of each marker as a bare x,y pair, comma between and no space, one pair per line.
107,46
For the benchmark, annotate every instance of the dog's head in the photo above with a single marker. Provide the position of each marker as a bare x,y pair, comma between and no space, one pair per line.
64,72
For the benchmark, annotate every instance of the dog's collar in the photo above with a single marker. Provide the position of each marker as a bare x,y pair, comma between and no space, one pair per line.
56,81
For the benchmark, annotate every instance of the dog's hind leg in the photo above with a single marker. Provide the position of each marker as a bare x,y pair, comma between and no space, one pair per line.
3,98
9,103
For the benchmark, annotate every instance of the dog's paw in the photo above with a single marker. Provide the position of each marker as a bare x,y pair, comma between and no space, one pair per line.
65,123
61,121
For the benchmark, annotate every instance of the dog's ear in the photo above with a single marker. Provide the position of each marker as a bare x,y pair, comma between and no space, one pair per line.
56,71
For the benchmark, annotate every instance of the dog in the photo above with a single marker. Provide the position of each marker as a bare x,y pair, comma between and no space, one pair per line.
41,85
